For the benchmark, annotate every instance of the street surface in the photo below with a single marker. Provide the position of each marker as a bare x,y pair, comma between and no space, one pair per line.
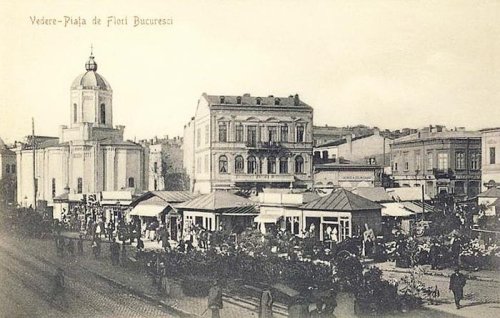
26,289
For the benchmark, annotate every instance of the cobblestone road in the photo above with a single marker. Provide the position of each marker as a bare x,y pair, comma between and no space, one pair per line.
26,290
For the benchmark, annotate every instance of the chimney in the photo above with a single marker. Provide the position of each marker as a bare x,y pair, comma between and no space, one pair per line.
246,95
296,100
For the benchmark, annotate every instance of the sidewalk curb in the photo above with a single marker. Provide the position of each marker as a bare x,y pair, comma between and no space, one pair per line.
148,297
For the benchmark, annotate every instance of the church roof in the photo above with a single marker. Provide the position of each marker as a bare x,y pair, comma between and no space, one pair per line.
90,79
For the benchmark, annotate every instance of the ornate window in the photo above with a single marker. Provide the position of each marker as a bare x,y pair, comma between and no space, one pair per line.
273,133
7,168
222,132
271,165
131,182
238,100
251,165
252,135
299,164
155,167
103,114
222,164
492,156
239,133
258,101
156,184
238,164
284,133
475,161
460,160
300,133
277,101
283,165
12,168
221,99
442,161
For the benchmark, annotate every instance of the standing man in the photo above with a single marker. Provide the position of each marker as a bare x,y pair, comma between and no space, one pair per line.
266,304
80,245
215,299
457,283
58,285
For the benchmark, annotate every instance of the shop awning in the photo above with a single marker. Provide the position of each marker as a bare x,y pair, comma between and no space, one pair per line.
147,210
269,218
395,209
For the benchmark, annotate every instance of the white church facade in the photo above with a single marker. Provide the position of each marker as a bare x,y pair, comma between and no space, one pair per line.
89,156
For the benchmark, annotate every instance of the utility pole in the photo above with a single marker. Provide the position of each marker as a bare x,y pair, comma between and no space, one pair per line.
33,146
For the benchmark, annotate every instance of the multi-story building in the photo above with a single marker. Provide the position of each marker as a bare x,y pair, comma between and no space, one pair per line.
165,166
362,149
89,156
250,143
490,170
442,160
8,171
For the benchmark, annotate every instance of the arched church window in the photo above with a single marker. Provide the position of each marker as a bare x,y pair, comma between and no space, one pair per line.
131,182
7,168
79,185
271,165
53,187
103,114
12,168
75,113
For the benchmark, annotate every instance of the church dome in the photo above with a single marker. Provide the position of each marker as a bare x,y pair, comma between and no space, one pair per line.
90,79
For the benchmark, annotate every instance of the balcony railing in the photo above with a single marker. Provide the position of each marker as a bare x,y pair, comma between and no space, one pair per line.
443,173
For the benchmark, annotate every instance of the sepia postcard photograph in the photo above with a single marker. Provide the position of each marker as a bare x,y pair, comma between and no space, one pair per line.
249,158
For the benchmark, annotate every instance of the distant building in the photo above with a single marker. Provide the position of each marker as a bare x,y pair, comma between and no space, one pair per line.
89,156
249,143
365,148
165,164
325,134
8,172
490,170
442,160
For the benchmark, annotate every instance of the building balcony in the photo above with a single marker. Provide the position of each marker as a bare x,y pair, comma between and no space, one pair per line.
263,178
443,173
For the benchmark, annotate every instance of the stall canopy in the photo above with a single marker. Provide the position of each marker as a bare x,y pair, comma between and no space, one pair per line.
395,209
116,198
269,218
150,207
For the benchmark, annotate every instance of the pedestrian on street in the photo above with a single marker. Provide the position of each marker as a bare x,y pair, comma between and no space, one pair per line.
60,246
124,255
434,255
94,249
457,283
215,299
71,247
114,249
266,304
80,245
58,285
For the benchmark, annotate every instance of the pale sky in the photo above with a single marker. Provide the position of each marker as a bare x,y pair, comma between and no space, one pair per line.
390,64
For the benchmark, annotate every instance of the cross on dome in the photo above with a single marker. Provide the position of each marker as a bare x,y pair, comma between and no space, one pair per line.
91,65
